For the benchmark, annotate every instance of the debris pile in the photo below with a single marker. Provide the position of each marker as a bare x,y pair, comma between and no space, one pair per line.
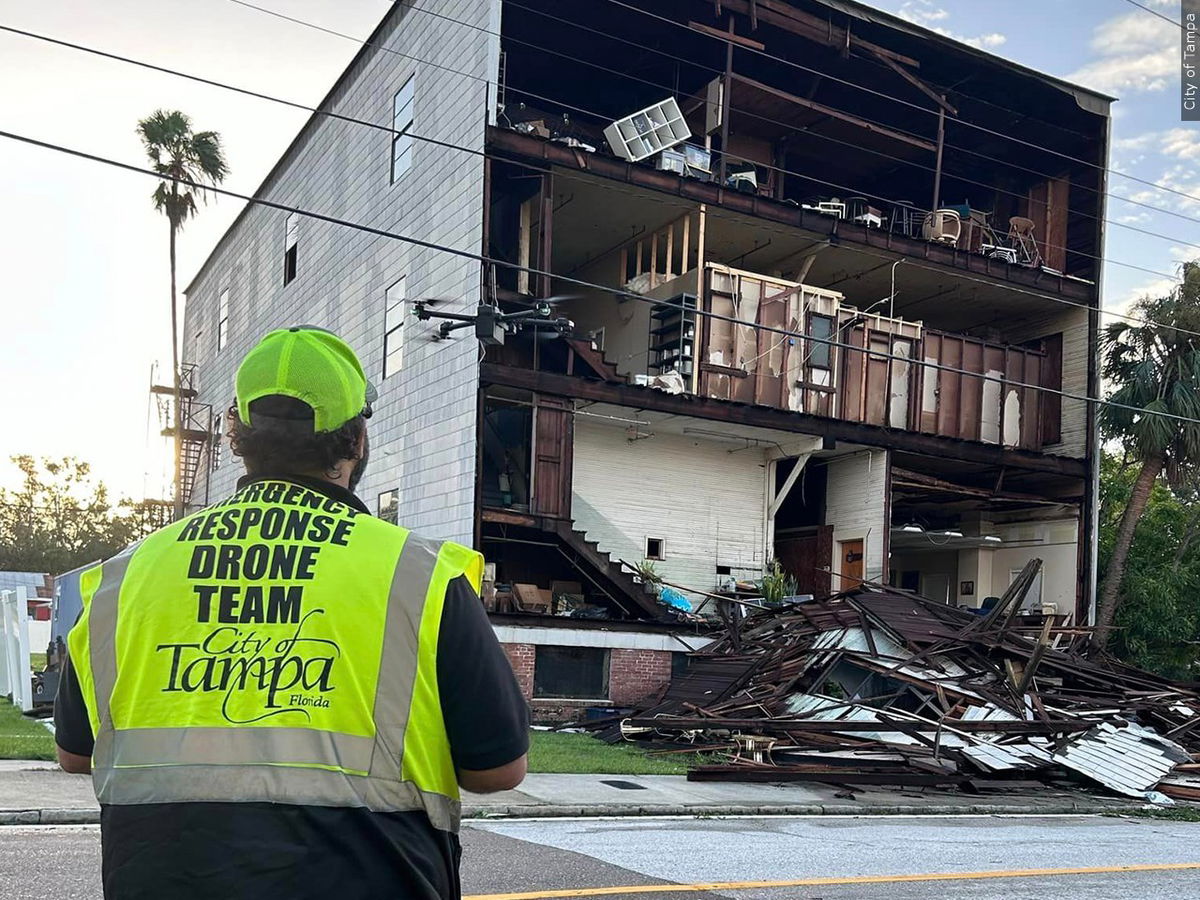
880,686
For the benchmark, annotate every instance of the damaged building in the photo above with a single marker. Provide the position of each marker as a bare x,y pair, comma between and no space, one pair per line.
740,284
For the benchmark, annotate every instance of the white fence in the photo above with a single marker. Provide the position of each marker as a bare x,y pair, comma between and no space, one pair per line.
15,671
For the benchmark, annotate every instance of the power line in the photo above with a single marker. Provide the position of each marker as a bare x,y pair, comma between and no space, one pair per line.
577,282
753,115
1155,12
481,153
806,176
351,119
391,131
825,137
909,103
770,56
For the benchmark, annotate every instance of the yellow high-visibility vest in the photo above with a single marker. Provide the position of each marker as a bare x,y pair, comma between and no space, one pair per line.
279,647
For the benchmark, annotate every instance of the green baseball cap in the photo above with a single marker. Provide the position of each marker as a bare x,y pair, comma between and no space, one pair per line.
309,364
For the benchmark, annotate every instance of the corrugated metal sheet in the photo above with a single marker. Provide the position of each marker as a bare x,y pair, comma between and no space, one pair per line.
1128,758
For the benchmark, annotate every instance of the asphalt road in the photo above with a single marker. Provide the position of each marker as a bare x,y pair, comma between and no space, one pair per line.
831,858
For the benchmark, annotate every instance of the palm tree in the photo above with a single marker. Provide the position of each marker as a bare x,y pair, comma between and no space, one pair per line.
187,160
1154,369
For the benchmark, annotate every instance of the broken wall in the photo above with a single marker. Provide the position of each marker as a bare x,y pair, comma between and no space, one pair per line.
703,501
626,321
1072,324
856,507
1055,542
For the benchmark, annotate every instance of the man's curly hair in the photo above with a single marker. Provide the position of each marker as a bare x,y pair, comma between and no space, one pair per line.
280,438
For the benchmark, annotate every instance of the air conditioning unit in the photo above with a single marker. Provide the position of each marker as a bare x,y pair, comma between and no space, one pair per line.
648,131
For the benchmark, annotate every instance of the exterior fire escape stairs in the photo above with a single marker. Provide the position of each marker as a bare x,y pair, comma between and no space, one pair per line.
195,434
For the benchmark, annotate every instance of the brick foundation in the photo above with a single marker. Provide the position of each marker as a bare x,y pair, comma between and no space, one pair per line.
634,678
521,657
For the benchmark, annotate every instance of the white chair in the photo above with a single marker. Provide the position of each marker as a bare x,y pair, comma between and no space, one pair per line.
942,226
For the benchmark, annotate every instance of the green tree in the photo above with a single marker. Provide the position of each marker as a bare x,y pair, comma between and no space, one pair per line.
187,160
61,518
1157,624
1154,370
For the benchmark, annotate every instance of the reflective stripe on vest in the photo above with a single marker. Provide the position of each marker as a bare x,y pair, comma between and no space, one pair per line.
195,694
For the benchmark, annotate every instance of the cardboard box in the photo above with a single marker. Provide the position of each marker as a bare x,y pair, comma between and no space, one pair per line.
531,599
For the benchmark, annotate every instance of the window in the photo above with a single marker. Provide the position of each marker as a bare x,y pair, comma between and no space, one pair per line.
389,506
656,548
291,241
1033,597
393,329
218,441
198,345
223,321
571,672
402,120
681,664
820,330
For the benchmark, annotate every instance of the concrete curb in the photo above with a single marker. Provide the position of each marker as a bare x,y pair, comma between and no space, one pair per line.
602,810
85,816
552,811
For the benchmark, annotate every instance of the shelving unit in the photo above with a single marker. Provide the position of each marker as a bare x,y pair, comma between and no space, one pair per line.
673,335
648,131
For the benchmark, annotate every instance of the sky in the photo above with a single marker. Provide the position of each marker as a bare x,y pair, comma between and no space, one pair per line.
84,284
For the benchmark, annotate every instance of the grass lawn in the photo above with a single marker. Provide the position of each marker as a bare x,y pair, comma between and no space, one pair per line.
552,752
22,738
37,662
1170,813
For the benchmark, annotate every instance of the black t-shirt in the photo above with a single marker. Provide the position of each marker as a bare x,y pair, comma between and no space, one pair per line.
266,850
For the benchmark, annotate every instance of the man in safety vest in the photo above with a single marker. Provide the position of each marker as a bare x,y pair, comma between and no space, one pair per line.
280,696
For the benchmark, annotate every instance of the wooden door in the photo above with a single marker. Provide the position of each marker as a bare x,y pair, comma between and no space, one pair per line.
806,558
850,564
552,447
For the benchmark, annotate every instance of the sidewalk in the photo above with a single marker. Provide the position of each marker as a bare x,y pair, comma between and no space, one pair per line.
38,793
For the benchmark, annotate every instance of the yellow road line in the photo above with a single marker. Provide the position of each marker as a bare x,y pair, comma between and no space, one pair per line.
818,882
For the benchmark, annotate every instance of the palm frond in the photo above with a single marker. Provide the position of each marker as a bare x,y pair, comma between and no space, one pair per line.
185,159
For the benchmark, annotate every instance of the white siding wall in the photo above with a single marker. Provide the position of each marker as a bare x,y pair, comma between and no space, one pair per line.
1073,323
705,502
1055,543
422,434
856,507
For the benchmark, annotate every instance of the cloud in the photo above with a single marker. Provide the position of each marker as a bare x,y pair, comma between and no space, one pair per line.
927,14
1137,53
1181,143
1134,218
1122,304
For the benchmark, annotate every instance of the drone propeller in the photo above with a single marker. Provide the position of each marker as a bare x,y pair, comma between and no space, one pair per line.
535,302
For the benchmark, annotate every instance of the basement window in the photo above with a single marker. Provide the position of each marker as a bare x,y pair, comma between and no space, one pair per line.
577,673
291,243
656,548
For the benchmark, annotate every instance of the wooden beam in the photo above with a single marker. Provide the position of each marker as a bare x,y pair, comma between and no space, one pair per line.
915,82
837,114
778,419
801,462
907,478
813,28
726,36
510,144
